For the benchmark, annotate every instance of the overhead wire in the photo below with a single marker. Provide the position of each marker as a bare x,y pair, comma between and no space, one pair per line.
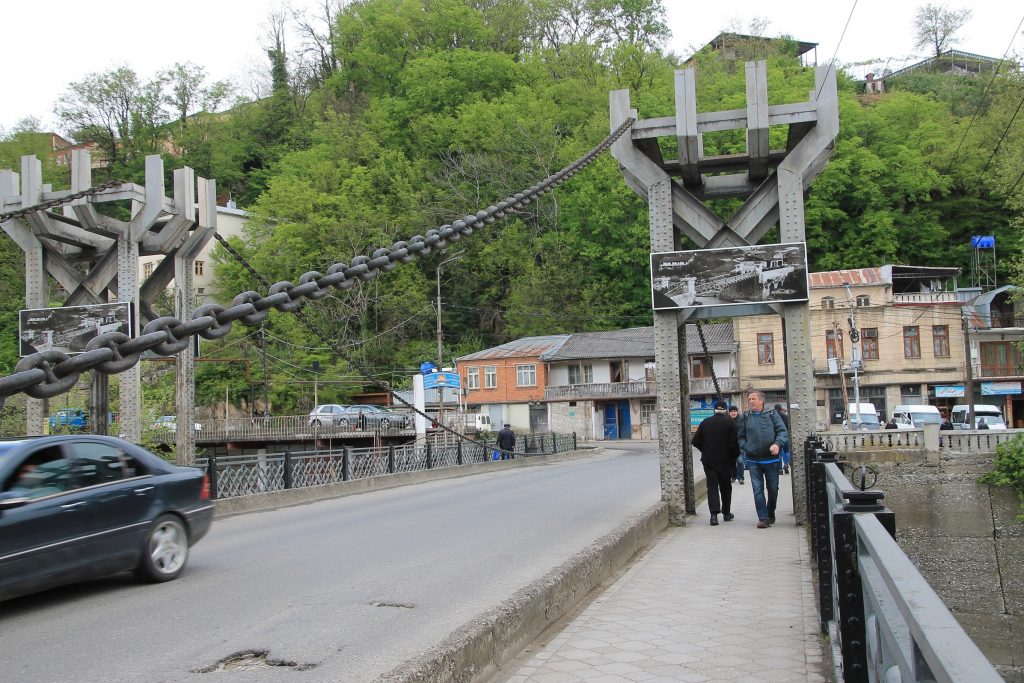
832,62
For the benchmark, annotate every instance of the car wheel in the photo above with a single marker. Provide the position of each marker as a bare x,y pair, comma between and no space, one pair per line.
343,423
316,424
165,550
384,424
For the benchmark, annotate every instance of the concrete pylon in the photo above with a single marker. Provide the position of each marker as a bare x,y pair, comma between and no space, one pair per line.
772,184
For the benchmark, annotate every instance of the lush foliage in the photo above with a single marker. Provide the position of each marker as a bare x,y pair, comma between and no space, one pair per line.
410,113
1008,469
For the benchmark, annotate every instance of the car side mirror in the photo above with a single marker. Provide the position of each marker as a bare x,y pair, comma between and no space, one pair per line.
10,500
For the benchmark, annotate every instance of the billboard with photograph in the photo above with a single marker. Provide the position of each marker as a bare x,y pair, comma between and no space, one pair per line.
762,273
69,328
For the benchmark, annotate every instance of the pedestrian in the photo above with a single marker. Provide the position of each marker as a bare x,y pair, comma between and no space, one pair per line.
762,436
786,455
982,424
946,424
507,442
718,442
734,413
891,424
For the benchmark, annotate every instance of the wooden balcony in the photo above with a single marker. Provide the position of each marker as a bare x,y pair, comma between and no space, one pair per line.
645,389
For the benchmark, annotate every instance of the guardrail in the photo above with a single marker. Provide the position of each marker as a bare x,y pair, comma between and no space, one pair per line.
239,475
285,427
884,621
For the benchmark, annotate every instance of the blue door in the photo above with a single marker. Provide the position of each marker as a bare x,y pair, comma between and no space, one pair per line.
625,430
611,426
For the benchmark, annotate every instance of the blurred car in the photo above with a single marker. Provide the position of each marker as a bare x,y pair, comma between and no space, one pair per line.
330,414
375,417
170,423
72,419
76,507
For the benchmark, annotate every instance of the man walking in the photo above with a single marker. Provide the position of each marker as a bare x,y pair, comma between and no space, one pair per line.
734,413
762,436
717,441
506,442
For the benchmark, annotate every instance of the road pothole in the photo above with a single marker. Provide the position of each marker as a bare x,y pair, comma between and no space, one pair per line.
400,605
250,660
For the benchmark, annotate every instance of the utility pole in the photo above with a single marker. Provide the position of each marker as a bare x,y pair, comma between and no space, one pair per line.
968,370
855,363
440,336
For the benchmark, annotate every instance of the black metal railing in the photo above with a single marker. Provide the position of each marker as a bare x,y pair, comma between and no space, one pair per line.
240,475
884,621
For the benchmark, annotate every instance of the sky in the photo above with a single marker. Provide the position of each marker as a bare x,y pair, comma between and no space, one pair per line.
48,46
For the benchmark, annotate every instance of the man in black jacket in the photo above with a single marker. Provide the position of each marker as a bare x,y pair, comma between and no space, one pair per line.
507,442
717,441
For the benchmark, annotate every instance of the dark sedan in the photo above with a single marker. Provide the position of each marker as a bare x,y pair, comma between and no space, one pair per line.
78,507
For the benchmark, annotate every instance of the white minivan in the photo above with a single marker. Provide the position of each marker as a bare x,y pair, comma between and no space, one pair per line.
991,414
915,416
862,417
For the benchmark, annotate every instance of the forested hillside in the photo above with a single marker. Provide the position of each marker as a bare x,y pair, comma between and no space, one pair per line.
411,118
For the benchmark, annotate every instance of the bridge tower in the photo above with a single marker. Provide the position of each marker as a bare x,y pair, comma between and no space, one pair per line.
772,184
95,259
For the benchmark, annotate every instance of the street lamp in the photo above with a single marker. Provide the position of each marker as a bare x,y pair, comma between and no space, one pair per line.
440,353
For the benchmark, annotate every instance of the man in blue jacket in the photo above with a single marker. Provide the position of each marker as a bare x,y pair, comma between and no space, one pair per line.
763,436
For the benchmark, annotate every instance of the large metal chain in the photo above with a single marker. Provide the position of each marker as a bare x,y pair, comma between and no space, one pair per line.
50,373
67,199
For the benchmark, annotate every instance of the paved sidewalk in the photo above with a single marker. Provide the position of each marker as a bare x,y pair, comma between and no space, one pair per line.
724,603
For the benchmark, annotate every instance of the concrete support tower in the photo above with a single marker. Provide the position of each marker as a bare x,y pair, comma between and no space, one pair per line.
772,184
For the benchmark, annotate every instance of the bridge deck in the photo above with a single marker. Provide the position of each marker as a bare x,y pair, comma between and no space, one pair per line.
725,603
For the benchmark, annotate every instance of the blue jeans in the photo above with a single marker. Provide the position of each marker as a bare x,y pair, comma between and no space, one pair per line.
764,476
739,468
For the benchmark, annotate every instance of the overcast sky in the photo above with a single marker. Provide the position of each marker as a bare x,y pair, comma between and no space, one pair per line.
47,46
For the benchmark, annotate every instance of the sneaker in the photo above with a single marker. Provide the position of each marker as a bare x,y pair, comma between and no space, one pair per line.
714,520
771,520
785,470
739,481
761,524
728,516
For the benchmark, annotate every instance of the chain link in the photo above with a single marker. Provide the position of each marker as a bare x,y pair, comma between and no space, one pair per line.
43,206
50,373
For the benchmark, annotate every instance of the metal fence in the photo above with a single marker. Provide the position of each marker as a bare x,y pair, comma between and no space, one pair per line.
884,621
239,475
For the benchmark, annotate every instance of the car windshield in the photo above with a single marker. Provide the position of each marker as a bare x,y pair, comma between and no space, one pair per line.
865,418
926,418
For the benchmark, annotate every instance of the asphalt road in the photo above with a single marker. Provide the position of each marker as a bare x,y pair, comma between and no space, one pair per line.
351,587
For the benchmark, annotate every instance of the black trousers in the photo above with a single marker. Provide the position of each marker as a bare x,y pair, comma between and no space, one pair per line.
719,488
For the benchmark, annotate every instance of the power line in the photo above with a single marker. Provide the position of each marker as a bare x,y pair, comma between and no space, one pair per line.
832,62
1002,137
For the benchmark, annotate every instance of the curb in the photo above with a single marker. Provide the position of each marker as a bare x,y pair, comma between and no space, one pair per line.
476,651
258,502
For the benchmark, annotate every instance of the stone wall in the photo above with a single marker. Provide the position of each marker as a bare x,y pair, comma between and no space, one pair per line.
566,419
966,540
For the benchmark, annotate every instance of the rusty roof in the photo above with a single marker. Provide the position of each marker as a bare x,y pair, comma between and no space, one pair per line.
855,277
527,347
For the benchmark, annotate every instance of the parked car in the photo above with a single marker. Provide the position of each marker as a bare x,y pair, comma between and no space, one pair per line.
915,416
170,423
862,417
991,414
330,414
76,507
72,419
375,417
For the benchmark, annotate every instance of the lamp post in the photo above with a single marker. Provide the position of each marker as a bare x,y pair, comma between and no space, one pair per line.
440,351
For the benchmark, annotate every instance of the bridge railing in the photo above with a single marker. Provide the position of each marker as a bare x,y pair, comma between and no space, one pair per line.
240,475
884,621
285,427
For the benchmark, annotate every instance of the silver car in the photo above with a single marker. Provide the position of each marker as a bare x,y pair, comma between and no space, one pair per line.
375,417
331,415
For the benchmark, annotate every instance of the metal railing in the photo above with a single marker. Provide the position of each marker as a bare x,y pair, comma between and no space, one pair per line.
885,439
975,440
289,426
240,475
884,621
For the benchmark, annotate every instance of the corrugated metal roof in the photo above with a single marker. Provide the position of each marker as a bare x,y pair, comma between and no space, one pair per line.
855,277
638,342
527,347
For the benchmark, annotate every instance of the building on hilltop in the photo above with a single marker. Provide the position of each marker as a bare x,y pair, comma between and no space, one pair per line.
742,47
951,62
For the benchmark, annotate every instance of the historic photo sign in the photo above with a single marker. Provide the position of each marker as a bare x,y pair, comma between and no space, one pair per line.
69,328
763,273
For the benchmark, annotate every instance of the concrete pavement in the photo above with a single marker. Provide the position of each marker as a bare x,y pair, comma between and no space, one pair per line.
724,603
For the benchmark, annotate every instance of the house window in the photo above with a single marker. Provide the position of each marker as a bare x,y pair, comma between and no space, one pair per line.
618,370
699,367
199,267
490,377
863,300
581,374
869,343
833,344
765,348
649,370
147,269
472,378
827,302
912,342
526,375
940,340
999,359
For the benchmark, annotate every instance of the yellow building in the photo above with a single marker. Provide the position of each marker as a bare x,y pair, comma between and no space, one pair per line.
892,332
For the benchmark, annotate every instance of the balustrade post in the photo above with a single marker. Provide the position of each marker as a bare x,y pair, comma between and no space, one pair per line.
287,468
211,473
574,440
391,459
430,456
346,463
458,452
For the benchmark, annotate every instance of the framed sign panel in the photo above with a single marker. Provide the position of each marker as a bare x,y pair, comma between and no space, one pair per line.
762,273
69,328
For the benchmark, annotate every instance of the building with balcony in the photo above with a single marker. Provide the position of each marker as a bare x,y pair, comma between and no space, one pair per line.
601,384
893,334
996,334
